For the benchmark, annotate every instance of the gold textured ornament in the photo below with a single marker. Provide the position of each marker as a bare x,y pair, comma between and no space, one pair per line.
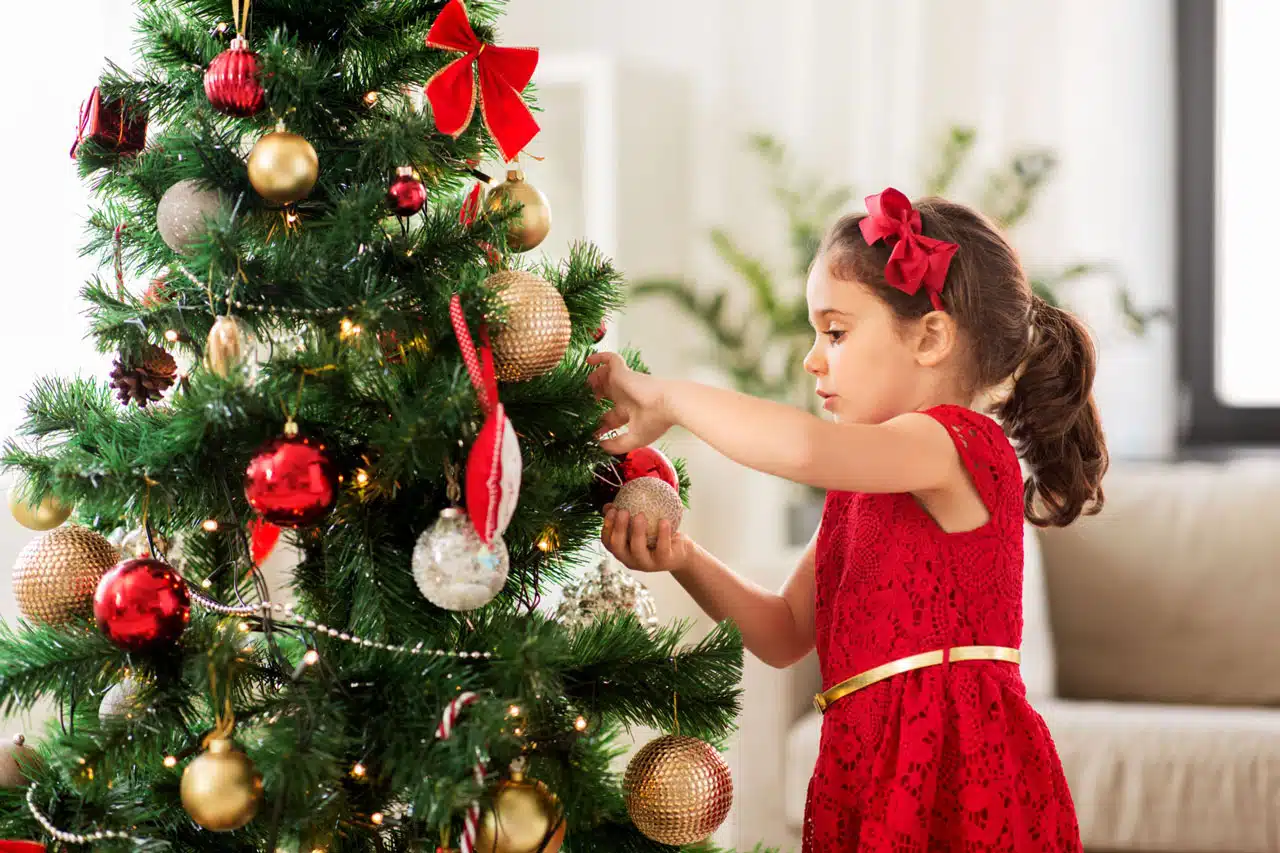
56,575
678,790
221,788
15,755
47,515
532,224
655,499
535,331
283,167
227,347
524,817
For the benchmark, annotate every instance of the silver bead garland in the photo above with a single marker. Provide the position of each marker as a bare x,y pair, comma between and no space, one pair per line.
72,837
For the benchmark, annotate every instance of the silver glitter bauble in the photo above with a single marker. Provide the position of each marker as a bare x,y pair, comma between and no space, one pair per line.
120,702
182,211
134,545
453,566
604,591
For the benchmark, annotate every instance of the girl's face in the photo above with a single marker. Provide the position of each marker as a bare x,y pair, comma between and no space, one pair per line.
866,361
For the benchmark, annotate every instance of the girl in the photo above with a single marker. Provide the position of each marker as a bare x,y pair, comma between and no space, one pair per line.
912,588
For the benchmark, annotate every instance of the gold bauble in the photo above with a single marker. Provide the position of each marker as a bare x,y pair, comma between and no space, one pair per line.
531,225
678,790
47,515
536,328
56,575
15,755
524,817
227,347
283,167
653,497
221,789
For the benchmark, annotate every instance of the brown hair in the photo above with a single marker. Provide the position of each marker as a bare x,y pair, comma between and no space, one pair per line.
1050,414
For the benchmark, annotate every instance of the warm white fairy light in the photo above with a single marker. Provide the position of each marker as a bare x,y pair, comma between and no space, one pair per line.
358,770
376,817
580,724
170,761
311,657
171,336
514,710
209,524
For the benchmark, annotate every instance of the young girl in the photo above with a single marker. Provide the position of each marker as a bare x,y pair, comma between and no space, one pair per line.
912,588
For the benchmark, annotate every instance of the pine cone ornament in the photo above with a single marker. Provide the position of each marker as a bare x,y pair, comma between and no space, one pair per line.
147,381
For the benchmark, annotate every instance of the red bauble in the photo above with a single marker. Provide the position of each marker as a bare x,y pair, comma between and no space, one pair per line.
231,81
641,462
407,195
598,334
142,605
291,481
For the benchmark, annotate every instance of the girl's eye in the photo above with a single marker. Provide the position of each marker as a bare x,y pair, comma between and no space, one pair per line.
835,335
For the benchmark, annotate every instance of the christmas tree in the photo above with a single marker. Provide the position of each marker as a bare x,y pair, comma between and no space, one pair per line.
348,346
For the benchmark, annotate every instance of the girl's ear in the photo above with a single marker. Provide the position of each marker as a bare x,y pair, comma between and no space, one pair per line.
935,338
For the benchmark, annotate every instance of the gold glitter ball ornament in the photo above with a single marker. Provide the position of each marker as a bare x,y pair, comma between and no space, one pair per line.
283,167
532,224
535,330
655,499
221,788
17,761
524,817
56,575
678,790
48,514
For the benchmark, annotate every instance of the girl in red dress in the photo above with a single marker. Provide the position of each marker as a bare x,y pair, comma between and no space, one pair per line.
912,588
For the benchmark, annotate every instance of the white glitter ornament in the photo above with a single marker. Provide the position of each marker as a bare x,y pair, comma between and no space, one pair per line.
453,567
120,702
604,591
182,211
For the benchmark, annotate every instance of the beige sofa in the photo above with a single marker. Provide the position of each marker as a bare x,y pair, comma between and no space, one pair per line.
1151,648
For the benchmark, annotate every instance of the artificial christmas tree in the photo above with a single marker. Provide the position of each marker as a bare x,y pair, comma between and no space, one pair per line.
333,375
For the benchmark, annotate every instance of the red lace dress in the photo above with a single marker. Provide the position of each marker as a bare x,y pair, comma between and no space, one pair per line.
946,758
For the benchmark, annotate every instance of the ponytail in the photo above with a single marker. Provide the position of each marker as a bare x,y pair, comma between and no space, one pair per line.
1053,421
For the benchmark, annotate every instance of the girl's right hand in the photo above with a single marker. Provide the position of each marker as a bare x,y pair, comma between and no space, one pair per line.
627,538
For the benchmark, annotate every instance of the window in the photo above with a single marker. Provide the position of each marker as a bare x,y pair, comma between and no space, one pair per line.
1229,288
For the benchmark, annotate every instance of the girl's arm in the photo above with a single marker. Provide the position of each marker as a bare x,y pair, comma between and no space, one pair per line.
909,453
776,627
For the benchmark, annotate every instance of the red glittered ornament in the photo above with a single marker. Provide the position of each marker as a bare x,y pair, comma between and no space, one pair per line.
231,81
142,605
641,462
407,195
291,481
598,335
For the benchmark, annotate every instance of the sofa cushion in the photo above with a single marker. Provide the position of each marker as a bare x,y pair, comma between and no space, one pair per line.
1039,668
1171,778
1170,594
1143,777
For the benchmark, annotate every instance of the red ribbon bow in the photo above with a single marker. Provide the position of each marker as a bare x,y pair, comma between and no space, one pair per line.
504,73
916,259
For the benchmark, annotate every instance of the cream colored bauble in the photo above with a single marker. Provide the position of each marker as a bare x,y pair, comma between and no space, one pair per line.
17,762
120,704
653,497
182,213
534,332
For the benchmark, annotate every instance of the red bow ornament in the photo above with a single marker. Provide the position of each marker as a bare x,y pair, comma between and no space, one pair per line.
494,465
916,259
504,73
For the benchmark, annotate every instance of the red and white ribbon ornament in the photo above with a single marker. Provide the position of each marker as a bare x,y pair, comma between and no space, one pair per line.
494,466
471,823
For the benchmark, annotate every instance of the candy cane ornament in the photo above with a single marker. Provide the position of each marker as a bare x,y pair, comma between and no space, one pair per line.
471,823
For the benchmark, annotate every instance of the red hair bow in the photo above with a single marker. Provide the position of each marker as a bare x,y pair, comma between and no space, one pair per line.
916,259
504,73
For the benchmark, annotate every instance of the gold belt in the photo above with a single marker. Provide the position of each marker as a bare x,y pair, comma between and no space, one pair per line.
865,679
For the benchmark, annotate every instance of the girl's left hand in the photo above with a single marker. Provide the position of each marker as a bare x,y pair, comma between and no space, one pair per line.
639,403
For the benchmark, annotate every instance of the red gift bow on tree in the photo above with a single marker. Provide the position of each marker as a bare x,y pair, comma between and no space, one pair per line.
916,259
504,73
